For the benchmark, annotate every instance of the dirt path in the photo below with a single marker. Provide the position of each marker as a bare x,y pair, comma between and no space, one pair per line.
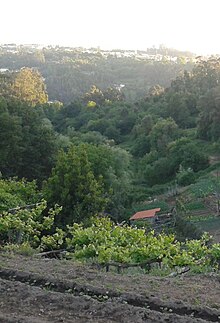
40,290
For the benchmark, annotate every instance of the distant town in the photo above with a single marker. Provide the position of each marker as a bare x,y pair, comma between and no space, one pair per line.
155,54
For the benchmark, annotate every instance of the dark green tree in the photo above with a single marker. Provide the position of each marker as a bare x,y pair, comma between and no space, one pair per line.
113,165
188,154
28,144
11,145
209,118
73,186
162,133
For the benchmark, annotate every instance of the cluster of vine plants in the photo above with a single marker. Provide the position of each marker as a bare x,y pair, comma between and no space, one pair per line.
104,242
28,225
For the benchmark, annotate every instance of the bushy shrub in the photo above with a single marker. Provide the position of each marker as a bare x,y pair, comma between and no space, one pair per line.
185,176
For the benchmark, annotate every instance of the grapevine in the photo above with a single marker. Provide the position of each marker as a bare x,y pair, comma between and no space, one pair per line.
104,242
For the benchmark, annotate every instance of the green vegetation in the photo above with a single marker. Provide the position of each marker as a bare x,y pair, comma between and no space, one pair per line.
27,226
104,242
26,85
70,73
98,153
14,193
211,223
73,186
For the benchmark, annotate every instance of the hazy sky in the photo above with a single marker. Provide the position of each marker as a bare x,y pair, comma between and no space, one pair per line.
131,24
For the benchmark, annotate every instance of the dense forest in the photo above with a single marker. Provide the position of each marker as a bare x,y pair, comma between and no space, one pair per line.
69,73
89,134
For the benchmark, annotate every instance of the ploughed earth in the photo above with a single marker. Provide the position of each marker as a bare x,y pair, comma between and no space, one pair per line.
50,290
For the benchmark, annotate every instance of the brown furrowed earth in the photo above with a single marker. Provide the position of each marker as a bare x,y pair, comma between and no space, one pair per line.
51,290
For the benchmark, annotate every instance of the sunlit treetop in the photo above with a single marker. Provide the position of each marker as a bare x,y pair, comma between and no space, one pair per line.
26,85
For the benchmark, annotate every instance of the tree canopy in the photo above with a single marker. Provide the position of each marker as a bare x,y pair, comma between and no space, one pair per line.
26,85
73,186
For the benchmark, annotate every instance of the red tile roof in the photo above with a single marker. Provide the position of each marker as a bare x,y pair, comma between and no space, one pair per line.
145,214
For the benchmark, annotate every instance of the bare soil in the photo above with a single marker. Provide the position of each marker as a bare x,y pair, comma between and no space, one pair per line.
37,290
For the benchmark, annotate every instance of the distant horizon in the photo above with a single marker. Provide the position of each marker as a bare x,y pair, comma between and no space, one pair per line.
136,24
97,47
143,48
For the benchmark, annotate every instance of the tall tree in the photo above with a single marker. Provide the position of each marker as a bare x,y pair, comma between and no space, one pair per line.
209,117
27,143
113,164
29,86
73,186
162,133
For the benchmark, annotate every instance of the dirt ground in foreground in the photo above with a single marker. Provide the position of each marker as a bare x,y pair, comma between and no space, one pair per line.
51,290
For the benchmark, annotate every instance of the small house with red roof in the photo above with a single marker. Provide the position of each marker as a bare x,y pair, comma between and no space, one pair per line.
145,215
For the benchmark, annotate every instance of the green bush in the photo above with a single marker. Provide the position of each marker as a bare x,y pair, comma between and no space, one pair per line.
185,176
15,193
27,225
104,242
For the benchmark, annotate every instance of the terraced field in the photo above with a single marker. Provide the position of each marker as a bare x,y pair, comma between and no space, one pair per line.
51,290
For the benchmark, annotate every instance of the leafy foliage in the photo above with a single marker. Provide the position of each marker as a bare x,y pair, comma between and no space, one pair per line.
28,144
16,193
185,176
26,85
112,150
73,186
104,242
69,74
27,225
